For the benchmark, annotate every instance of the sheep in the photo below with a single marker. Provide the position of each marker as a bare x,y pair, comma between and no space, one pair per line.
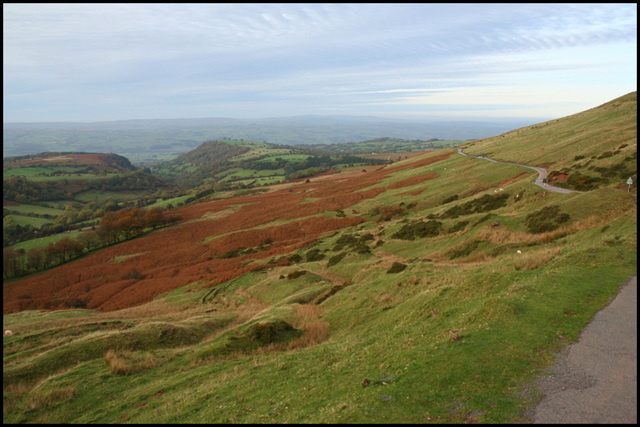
8,333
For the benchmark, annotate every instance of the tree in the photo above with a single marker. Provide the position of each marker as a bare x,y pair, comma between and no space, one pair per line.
66,249
90,240
131,222
155,217
10,262
109,231
37,258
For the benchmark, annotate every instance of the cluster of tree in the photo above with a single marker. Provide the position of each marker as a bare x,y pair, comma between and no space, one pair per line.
18,262
115,226
21,190
127,223
318,164
74,216
130,181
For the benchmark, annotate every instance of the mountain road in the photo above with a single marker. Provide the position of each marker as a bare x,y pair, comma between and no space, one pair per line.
540,181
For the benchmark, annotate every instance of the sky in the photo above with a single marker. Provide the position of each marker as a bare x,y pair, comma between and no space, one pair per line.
102,62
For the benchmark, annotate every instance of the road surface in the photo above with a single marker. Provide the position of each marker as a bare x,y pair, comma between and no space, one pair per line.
540,181
594,381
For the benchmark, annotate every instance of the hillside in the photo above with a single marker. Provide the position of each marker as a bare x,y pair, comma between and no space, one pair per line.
434,289
95,162
591,149
216,165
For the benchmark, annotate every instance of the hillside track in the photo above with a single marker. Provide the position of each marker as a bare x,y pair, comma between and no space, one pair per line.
540,181
595,380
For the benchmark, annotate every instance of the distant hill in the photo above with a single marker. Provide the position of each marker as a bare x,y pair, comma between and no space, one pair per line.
154,140
94,162
244,164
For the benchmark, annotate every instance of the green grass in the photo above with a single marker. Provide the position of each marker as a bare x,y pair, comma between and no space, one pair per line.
40,210
31,220
91,196
599,137
175,201
44,241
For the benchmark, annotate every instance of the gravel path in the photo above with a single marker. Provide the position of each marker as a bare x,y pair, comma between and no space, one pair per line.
595,381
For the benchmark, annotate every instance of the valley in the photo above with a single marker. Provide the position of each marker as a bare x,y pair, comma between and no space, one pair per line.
422,287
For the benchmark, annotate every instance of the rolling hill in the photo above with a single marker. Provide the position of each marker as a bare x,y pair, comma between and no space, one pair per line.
434,289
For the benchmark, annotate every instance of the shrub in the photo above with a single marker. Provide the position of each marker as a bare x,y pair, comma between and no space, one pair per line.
418,229
296,274
336,259
546,219
134,274
449,199
295,258
582,182
397,267
465,250
314,255
357,244
458,226
485,203
266,333
75,303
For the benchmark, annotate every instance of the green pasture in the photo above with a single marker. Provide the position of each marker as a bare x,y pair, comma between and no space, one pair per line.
176,201
287,157
246,176
35,222
33,171
53,173
92,196
44,241
35,209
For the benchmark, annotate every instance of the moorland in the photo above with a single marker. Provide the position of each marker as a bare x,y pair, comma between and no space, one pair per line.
424,287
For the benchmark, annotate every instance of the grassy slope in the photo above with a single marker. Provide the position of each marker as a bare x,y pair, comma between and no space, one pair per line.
556,144
448,339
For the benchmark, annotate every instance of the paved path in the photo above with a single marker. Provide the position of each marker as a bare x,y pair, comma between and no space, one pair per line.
542,174
595,379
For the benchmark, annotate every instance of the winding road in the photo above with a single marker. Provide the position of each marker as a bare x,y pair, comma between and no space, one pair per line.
540,181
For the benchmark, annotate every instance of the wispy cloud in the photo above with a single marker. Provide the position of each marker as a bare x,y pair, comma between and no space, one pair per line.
119,61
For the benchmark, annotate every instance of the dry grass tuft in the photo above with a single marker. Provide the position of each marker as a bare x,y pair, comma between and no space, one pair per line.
42,400
125,362
501,236
315,330
536,259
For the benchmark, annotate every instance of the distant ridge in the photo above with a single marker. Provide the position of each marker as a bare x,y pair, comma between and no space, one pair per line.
134,138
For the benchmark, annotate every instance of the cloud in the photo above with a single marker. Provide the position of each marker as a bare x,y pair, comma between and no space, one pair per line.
301,57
